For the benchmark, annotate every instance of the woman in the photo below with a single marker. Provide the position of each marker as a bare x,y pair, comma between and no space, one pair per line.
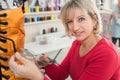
115,33
91,57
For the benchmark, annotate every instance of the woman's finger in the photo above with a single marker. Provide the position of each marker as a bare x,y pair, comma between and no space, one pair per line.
12,64
45,58
20,58
12,61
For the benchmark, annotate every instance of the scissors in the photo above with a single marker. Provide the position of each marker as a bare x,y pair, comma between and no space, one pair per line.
38,59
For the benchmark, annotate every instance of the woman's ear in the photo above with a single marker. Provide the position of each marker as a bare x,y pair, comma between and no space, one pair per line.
95,19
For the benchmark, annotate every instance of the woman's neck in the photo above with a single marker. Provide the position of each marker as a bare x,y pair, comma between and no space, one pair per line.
88,44
91,41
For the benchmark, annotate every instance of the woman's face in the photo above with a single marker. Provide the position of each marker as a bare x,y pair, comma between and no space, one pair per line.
80,24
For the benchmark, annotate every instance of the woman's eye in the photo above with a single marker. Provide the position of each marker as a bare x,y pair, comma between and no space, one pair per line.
69,22
81,19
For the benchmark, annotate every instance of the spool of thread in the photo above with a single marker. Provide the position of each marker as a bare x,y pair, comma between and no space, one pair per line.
27,9
32,19
52,8
32,9
56,30
44,18
48,18
44,31
41,9
38,19
56,8
37,9
52,17
52,30
26,20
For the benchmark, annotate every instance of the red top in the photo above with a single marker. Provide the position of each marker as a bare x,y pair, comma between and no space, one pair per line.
100,63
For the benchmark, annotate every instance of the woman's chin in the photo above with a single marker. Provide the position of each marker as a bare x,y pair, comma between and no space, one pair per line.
79,38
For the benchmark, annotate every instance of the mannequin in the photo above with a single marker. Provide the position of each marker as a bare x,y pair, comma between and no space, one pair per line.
11,35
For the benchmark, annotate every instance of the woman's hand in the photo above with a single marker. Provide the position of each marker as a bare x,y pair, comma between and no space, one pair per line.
43,61
24,69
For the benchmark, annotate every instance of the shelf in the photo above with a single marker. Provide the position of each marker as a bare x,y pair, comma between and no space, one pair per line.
40,13
42,22
36,21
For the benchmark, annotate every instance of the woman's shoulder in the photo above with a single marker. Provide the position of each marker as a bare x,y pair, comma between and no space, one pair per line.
107,44
75,44
106,47
105,50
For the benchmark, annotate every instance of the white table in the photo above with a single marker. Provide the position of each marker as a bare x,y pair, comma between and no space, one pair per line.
44,48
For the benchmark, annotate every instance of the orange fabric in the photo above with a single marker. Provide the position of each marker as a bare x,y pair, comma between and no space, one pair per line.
15,31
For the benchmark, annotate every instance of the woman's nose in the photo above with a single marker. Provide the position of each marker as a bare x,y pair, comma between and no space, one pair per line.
75,25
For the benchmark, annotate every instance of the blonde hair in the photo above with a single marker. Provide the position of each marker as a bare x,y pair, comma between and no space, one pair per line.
85,5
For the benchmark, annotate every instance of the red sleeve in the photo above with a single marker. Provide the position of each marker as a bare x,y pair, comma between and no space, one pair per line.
102,66
60,72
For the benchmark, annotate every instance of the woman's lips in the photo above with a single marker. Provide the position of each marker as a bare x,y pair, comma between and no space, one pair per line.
78,33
